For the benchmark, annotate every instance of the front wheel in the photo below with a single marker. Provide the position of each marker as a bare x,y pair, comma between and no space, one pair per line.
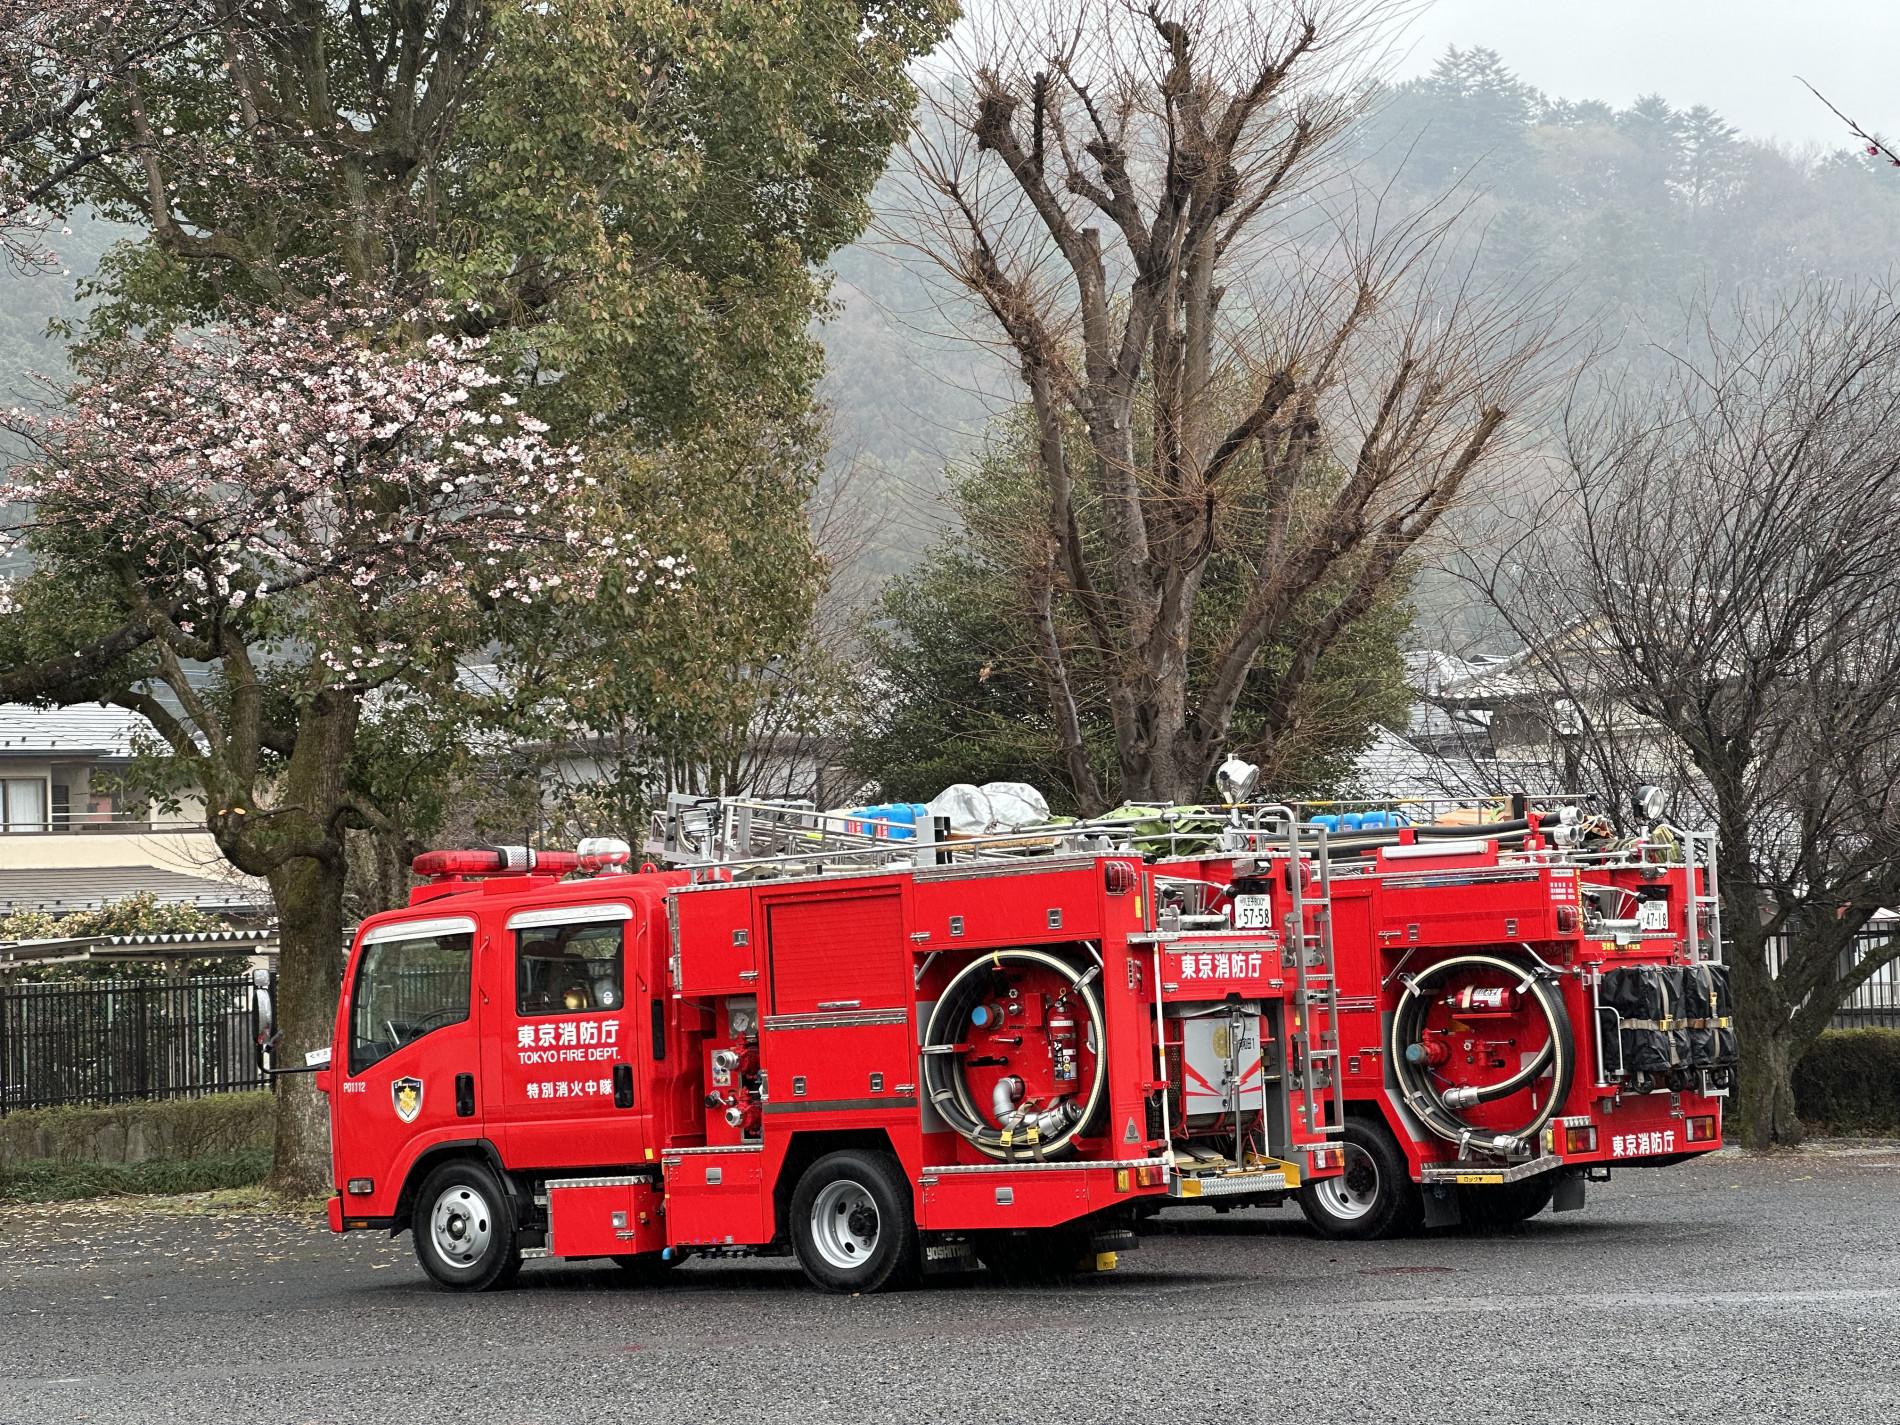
1374,1197
464,1229
851,1223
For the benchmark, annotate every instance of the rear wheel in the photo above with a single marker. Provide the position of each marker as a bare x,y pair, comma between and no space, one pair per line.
464,1229
1374,1197
851,1223
1503,1204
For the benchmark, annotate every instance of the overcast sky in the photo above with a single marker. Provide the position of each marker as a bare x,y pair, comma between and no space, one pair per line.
1737,56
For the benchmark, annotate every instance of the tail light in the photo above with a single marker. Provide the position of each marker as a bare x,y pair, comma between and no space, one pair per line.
1581,1139
1702,1130
1328,1158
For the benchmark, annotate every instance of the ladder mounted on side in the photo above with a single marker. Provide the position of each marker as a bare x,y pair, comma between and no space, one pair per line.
1309,940
1698,853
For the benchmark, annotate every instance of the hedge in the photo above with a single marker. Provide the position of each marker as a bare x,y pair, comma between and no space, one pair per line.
1848,1084
130,1133
66,1179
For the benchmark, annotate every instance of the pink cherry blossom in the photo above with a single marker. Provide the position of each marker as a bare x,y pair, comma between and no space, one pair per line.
306,455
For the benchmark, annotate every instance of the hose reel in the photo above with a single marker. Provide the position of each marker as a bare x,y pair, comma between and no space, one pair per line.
1439,1109
1024,1135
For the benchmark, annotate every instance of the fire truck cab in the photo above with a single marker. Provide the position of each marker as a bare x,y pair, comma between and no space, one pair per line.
884,1069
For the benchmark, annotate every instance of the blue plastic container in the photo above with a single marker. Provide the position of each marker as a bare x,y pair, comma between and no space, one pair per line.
1359,821
903,817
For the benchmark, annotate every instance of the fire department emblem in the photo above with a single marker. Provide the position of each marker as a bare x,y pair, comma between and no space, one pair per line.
407,1094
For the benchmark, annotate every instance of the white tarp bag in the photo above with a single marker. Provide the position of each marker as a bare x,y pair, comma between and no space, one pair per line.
1014,804
966,807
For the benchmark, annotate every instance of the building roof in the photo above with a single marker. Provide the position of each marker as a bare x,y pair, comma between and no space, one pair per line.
85,730
175,945
63,890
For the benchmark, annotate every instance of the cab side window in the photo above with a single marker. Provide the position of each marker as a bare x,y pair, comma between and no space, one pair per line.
569,969
405,989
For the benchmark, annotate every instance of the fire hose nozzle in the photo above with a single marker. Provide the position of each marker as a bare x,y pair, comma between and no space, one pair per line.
1461,1096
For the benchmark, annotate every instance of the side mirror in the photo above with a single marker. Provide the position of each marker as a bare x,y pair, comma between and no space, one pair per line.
264,1015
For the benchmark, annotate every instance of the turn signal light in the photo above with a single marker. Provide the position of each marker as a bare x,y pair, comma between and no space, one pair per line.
1581,1140
362,1187
1328,1157
1702,1130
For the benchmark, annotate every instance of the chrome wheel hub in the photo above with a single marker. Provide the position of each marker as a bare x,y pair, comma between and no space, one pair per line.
460,1226
1355,1192
844,1224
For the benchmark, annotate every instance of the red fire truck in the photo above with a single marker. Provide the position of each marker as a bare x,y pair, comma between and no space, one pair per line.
885,1069
1521,1004
889,1052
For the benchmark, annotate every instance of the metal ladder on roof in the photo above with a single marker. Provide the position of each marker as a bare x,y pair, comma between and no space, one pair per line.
1309,939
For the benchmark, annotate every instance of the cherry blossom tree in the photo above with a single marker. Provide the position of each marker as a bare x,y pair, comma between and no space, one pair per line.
313,506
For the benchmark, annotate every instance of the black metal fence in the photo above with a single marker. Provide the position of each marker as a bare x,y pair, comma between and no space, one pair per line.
114,1041
1876,1004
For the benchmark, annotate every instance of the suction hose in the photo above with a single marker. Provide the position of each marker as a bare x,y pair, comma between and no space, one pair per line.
1439,1110
1047,1135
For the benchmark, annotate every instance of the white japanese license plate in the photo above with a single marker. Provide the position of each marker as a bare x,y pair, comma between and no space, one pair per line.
1250,912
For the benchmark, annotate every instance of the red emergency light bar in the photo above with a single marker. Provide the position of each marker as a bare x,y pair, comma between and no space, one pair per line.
494,861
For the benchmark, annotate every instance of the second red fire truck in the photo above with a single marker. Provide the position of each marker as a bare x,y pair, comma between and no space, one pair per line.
888,1053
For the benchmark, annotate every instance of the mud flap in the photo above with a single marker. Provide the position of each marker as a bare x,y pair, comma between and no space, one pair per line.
1568,1194
1441,1205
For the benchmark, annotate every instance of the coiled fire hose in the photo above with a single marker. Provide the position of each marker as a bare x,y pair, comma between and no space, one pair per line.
1438,1109
1048,1135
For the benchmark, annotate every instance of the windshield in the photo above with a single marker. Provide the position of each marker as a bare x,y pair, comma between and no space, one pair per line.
404,990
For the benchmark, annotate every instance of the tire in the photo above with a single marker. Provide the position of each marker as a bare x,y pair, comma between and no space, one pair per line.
464,1228
852,1228
1374,1198
1039,1256
1506,1204
646,1268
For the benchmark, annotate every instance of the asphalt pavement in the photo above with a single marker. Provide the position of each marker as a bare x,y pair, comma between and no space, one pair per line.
1732,1289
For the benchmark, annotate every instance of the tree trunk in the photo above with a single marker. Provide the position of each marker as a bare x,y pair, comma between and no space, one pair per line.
1765,1093
309,896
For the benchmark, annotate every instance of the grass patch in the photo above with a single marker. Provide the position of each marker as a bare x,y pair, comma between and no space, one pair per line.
67,1180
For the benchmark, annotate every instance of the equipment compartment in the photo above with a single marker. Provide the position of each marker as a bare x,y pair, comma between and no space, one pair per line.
603,1217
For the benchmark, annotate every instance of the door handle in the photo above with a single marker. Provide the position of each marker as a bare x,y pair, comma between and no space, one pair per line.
623,1086
464,1095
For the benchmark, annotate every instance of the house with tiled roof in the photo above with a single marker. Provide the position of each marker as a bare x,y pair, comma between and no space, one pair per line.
69,840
